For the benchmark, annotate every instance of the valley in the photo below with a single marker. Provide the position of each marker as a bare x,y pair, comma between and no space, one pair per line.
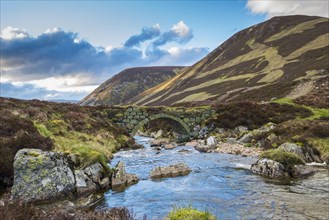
242,133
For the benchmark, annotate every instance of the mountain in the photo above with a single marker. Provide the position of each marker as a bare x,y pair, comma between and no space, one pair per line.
128,84
283,56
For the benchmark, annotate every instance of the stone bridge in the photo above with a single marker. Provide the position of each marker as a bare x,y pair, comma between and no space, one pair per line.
134,118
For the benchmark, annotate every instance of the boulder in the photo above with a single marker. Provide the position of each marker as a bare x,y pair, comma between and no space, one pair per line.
180,138
159,142
159,134
169,146
96,172
105,183
203,148
84,185
246,138
41,175
184,151
212,141
191,144
121,179
241,129
175,170
307,154
263,130
269,168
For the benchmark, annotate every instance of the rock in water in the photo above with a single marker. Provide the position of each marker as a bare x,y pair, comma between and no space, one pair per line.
179,169
41,175
159,142
203,148
269,168
169,146
121,179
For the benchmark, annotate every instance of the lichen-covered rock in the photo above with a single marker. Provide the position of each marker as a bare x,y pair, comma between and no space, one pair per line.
307,154
41,175
121,179
269,168
179,169
96,172
84,185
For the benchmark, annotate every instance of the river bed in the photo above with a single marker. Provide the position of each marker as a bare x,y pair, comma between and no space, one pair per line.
219,183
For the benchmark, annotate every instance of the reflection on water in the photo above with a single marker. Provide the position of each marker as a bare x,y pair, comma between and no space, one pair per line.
220,183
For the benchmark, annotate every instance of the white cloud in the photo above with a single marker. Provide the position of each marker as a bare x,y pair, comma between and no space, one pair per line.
51,96
174,51
181,29
289,7
53,30
59,62
10,33
156,26
64,84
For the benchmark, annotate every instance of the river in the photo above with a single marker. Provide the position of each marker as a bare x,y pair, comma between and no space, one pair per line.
219,183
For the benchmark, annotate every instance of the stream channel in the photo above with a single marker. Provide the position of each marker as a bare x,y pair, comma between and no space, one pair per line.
219,183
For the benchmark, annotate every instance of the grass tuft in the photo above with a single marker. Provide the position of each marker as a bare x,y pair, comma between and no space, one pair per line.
189,213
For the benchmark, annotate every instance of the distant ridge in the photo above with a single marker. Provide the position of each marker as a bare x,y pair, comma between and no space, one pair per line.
129,83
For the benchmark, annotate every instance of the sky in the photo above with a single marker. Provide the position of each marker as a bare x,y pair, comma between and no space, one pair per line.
65,49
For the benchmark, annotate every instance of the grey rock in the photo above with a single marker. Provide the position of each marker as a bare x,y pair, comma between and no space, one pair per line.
41,175
121,179
169,146
191,144
246,138
269,168
180,138
95,172
212,141
159,134
159,142
83,184
175,170
241,129
307,154
105,183
203,148
197,128
293,148
184,151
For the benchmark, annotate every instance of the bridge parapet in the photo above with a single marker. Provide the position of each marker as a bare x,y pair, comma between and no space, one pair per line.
134,118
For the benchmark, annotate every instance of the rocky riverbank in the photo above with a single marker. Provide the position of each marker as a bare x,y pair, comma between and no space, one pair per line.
48,176
280,157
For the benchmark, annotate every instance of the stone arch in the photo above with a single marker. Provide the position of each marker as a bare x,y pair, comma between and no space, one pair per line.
142,123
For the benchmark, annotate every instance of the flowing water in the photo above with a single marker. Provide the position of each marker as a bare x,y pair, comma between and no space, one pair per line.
219,183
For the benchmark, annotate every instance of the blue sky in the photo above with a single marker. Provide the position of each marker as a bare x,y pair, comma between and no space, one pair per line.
65,49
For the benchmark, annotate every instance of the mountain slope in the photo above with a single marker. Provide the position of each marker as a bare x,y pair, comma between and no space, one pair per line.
128,84
267,60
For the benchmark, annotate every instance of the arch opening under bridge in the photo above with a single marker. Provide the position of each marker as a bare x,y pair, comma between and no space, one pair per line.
141,125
